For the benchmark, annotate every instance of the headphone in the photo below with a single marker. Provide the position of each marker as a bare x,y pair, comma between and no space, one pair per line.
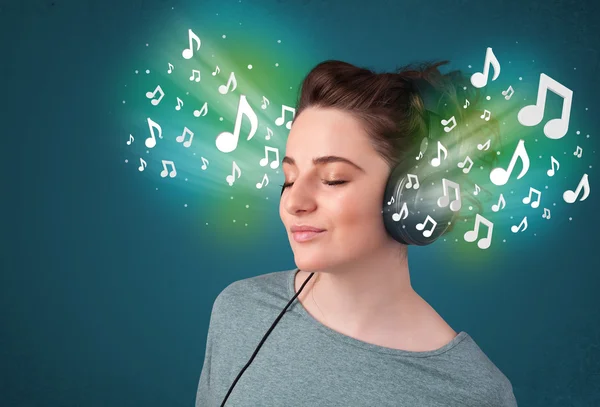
421,201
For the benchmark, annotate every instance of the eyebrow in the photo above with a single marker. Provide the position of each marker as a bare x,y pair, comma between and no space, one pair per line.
328,159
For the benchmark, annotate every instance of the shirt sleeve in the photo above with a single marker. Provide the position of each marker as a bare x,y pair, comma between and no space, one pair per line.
204,394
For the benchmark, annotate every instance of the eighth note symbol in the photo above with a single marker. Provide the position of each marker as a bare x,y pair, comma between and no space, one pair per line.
570,196
478,79
552,171
578,152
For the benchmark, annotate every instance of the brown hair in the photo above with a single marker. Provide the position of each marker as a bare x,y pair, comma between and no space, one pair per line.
389,106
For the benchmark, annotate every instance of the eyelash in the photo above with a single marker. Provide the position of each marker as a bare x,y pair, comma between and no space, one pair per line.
330,183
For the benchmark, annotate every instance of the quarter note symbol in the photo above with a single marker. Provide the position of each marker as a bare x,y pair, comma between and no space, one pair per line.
403,213
279,120
499,176
527,199
500,205
188,53
152,125
508,92
180,139
165,171
443,201
223,89
204,163
570,196
142,165
478,79
515,228
231,178
436,161
130,140
552,171
472,235
275,162
533,114
409,184
421,226
227,142
445,123
150,95
263,183
203,111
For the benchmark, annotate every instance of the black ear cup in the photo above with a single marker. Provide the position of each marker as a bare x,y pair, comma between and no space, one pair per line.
423,196
421,200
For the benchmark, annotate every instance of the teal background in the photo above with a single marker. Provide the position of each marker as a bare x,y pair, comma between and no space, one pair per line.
109,274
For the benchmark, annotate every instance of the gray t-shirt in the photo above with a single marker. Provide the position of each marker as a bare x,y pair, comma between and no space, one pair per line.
305,363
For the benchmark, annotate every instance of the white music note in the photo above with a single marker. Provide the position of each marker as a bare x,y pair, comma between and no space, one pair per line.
130,140
436,161
204,163
279,120
533,114
464,163
143,164
231,178
552,171
527,199
269,134
546,214
445,123
170,68
226,141
151,95
223,89
471,235
421,226
403,213
409,184
478,79
443,201
179,104
477,190
203,111
164,172
194,77
265,103
275,162
485,146
180,139
499,176
152,125
467,103
500,205
391,201
486,115
571,196
217,70
508,92
263,183
578,152
523,223
188,53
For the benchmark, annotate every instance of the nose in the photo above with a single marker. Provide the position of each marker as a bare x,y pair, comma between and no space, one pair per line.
299,197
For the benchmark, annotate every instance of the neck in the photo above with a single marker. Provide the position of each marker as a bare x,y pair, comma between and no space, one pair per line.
367,293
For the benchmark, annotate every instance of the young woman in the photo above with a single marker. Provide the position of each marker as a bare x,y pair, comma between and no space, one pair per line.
358,334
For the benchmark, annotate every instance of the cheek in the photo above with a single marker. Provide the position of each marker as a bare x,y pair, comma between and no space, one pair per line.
360,211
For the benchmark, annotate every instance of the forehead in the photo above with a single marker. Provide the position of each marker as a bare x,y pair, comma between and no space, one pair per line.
323,131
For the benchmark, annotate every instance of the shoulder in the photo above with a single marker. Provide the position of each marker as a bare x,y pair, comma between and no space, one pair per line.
252,293
483,375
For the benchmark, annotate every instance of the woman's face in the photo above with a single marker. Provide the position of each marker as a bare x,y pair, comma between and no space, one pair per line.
349,213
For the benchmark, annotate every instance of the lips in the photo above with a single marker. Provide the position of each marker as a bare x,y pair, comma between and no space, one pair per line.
295,229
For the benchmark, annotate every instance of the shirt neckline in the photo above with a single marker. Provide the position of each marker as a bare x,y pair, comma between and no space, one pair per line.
348,340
